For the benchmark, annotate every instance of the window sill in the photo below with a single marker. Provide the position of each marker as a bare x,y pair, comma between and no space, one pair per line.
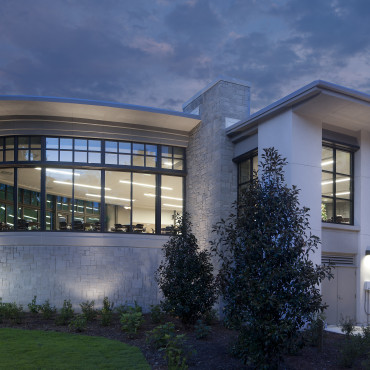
325,225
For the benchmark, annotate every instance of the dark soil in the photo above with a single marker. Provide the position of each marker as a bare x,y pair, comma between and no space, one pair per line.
211,353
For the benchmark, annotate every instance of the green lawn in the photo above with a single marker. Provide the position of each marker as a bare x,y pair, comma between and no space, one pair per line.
33,349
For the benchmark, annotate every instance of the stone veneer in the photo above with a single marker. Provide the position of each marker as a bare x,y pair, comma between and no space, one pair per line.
211,184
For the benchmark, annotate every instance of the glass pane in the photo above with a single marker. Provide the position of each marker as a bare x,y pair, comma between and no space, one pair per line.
343,164
87,188
255,166
6,187
65,156
50,221
178,152
81,157
23,155
166,151
80,144
118,202
138,148
111,158
52,143
327,184
111,146
137,160
143,203
124,147
343,187
23,142
35,142
52,155
244,171
1,143
59,190
9,155
171,202
66,143
1,156
29,210
151,149
178,164
343,211
327,159
125,159
167,163
35,155
95,145
9,143
327,210
151,161
94,157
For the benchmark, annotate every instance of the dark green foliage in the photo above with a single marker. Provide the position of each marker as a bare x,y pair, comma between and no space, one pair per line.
210,317
78,324
347,325
314,334
106,312
185,275
158,337
131,322
88,310
47,310
156,314
66,313
33,307
11,311
201,330
127,308
269,283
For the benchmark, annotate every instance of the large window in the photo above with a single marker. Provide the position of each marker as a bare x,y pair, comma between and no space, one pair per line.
68,188
247,171
337,185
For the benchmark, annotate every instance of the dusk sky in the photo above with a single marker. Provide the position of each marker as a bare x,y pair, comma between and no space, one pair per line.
161,52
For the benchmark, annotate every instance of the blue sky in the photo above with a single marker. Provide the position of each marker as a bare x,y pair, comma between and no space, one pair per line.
161,52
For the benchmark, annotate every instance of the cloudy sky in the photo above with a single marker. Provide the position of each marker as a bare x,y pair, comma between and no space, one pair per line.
161,52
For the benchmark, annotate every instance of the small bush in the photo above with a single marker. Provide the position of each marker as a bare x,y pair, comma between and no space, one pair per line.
156,314
347,326
33,307
78,324
131,322
210,317
201,330
88,310
66,313
47,310
158,337
11,311
106,312
315,332
176,352
127,308
351,350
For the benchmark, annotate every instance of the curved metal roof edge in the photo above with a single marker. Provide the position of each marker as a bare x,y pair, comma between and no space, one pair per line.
288,100
97,103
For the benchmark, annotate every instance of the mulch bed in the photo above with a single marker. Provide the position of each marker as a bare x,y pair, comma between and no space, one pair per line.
211,353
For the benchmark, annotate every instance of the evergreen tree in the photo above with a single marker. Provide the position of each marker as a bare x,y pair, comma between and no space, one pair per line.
269,283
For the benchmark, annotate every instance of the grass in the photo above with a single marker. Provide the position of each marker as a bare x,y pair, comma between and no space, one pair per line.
33,349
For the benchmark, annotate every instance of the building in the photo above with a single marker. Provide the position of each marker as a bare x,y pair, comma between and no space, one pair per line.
95,186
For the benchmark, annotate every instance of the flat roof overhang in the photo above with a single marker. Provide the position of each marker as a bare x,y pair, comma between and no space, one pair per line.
331,104
31,106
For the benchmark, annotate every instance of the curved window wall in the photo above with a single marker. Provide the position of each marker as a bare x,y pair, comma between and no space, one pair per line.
71,184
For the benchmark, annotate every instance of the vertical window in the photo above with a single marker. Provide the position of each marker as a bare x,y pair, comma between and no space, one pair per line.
247,171
337,185
173,158
6,199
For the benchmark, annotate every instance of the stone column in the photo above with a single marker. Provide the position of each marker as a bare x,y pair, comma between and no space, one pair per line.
211,185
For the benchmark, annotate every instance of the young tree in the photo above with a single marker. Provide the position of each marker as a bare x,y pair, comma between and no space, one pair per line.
185,276
269,283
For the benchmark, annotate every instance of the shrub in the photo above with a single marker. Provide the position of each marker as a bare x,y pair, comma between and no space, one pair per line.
66,313
131,322
33,307
201,330
78,323
88,310
127,308
156,314
11,311
185,276
47,310
347,325
106,312
268,280
314,333
158,337
210,317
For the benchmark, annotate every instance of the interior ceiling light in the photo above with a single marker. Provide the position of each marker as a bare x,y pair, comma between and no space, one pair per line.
339,180
326,163
109,197
82,185
144,185
162,196
63,172
343,193
172,205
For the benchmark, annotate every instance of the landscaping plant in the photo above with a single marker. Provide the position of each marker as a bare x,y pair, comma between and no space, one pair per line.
33,307
47,310
131,322
158,337
185,276
78,324
66,313
201,330
156,314
269,283
106,312
88,310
